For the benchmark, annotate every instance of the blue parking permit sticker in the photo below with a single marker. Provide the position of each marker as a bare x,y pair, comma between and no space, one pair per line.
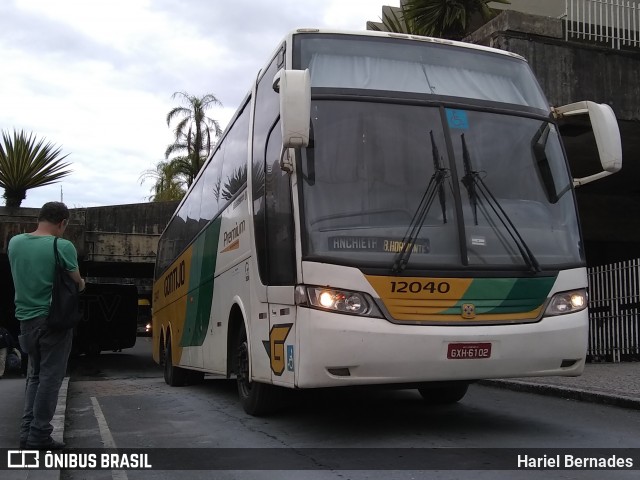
290,358
457,119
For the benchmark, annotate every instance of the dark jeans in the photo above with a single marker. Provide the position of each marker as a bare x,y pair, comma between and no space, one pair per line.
48,355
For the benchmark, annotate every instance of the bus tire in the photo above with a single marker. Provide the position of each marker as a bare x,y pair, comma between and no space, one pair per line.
443,393
257,399
174,376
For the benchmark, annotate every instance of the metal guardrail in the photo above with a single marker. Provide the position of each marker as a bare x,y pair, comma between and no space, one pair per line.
611,22
614,311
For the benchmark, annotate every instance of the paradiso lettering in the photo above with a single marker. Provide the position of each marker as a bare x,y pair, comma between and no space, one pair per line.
175,279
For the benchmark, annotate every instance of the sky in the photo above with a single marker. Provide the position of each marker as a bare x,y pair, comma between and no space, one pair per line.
95,77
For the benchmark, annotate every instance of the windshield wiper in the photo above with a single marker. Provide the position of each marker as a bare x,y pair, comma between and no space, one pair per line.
435,186
474,185
543,165
437,167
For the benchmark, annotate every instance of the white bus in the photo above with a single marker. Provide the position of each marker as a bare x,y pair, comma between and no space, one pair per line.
382,209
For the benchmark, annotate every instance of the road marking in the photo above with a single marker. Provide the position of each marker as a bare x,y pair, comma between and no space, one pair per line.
107,438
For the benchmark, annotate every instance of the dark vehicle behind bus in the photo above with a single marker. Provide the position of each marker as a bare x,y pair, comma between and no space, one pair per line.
110,316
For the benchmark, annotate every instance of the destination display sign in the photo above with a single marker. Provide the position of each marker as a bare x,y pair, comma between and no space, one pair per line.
355,243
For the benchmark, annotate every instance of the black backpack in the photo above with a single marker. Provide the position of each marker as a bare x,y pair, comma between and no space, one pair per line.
64,311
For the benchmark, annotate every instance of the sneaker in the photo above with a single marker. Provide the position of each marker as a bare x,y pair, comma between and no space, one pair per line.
51,445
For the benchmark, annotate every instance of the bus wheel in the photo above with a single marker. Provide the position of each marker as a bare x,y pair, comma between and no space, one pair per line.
257,399
174,376
443,393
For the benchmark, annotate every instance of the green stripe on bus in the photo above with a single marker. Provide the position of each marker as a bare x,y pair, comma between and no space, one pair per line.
200,295
504,295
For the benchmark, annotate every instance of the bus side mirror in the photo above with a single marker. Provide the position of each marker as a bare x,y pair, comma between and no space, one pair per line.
294,87
607,135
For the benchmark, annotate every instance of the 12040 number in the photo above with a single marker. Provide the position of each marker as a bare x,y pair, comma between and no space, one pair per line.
417,287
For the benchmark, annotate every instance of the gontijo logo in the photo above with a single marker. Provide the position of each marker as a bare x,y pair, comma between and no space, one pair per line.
175,279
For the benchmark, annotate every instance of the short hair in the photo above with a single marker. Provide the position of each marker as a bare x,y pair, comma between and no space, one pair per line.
53,212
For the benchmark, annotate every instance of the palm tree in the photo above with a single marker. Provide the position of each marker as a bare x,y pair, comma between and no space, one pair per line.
195,133
26,163
394,19
168,184
450,19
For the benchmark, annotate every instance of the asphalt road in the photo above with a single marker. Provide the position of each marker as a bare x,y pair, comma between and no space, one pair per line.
120,400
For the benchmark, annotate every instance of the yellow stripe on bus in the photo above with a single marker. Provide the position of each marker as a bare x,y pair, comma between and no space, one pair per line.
425,299
406,315
170,302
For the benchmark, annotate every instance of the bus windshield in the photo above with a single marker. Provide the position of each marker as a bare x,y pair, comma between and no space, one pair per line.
503,200
371,63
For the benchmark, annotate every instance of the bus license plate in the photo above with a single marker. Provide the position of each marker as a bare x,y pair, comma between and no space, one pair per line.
468,350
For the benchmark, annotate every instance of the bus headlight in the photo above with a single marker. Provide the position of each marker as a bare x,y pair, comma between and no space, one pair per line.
567,302
337,300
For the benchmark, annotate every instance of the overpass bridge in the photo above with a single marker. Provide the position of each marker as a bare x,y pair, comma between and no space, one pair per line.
116,244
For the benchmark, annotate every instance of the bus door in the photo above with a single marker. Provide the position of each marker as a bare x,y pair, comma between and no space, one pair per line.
280,264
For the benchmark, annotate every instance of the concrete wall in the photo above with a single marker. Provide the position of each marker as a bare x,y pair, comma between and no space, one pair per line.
568,71
119,233
125,233
21,220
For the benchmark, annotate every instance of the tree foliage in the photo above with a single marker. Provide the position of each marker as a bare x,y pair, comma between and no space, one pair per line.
395,20
26,163
168,184
450,19
195,133
195,136
446,18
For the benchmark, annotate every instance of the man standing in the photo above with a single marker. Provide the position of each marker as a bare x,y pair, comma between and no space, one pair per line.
32,263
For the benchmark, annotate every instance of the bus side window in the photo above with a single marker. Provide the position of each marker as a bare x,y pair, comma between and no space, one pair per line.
211,189
234,166
279,216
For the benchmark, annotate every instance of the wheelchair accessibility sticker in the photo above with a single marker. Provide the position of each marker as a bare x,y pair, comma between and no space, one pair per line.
457,119
290,364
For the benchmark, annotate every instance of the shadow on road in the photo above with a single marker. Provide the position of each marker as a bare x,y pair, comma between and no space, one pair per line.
133,362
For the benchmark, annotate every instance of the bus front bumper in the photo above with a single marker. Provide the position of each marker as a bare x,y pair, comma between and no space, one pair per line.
341,350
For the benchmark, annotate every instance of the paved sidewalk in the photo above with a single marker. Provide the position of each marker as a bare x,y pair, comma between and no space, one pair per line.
609,383
12,394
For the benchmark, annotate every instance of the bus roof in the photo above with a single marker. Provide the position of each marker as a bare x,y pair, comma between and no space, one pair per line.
405,36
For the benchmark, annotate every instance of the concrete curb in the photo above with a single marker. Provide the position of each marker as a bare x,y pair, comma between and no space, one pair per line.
565,392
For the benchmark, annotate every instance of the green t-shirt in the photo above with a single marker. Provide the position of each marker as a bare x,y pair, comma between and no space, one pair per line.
32,267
